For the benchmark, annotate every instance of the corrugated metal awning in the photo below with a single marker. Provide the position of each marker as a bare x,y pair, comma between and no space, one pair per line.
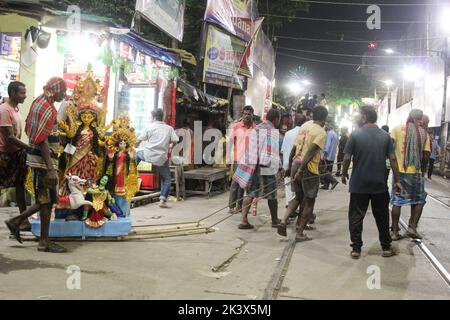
149,48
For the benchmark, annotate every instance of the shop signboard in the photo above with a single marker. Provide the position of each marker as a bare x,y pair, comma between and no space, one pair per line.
264,55
223,59
168,15
235,16
10,45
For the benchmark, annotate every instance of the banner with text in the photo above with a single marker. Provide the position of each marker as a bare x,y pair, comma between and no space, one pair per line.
168,15
264,55
235,16
223,58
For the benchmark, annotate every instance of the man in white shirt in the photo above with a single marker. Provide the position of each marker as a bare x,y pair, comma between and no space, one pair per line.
288,144
156,140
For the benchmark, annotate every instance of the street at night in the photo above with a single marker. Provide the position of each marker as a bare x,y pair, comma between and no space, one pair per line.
224,150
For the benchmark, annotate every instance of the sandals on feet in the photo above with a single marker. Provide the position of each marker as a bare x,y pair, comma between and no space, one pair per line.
413,235
302,238
355,254
15,231
388,253
276,224
396,236
247,226
281,230
52,248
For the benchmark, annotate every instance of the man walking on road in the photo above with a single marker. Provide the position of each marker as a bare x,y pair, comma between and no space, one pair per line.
288,145
304,171
42,130
13,152
342,144
239,142
156,140
369,146
329,155
412,150
257,173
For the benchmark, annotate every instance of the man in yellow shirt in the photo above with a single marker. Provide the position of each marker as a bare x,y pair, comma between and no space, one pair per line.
304,171
412,150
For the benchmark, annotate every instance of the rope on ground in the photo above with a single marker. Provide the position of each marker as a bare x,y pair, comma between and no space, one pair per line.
248,206
261,189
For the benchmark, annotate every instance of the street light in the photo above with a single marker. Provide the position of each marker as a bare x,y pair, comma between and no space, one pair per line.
295,87
388,83
306,82
412,72
389,51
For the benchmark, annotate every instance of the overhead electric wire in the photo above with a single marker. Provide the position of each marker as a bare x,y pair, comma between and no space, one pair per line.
369,4
344,20
334,62
353,41
348,55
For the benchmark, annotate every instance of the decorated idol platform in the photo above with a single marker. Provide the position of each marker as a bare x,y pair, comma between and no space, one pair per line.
97,171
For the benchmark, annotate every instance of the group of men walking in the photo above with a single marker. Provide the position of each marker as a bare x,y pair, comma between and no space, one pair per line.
258,161
313,142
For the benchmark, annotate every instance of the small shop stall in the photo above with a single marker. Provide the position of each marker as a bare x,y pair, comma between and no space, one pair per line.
202,112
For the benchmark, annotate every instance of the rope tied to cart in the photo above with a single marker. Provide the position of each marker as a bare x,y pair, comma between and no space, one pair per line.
279,185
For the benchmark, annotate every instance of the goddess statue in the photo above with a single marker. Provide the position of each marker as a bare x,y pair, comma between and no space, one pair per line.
120,165
85,133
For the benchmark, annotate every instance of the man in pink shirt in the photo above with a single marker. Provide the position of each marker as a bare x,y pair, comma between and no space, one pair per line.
239,139
13,154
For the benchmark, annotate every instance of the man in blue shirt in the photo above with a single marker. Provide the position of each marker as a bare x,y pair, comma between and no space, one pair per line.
329,154
435,153
369,147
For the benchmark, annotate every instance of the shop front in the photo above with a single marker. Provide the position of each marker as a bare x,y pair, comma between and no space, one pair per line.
115,79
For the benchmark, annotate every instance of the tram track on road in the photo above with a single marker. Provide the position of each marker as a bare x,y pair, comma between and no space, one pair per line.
273,288
437,265
437,199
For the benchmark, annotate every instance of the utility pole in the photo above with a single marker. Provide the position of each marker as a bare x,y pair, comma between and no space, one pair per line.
427,31
444,127
389,104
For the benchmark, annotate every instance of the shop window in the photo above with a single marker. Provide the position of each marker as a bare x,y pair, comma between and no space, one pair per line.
138,101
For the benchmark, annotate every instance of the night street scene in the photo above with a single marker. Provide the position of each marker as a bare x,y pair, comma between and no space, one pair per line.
222,156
